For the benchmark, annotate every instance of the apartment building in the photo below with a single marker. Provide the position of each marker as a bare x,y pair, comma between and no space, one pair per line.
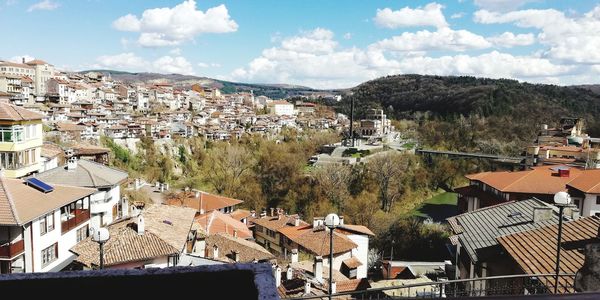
39,223
20,141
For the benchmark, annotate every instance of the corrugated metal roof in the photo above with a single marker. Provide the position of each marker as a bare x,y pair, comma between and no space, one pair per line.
481,227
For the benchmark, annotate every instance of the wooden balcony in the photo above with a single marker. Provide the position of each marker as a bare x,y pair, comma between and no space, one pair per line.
78,216
10,250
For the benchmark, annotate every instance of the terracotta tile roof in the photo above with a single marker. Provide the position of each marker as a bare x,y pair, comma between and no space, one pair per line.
217,222
248,251
535,250
538,180
316,240
240,214
126,245
12,64
36,62
51,150
21,203
353,229
208,201
69,127
82,149
277,222
14,113
352,285
589,183
352,263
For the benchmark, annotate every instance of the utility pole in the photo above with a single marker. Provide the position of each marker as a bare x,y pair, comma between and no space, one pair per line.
351,121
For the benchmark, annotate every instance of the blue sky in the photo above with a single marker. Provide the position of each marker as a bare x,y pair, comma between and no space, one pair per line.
323,44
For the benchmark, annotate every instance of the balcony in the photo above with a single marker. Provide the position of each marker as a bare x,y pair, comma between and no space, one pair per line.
10,250
77,217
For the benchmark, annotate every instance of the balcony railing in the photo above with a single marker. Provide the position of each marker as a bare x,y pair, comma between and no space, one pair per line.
79,216
511,285
10,250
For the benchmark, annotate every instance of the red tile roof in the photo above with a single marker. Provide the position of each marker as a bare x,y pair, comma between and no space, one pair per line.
209,202
217,222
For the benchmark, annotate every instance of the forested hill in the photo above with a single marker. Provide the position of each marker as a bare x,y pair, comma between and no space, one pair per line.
500,110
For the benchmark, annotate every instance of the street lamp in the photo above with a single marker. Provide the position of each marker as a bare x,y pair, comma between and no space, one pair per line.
100,236
331,221
561,200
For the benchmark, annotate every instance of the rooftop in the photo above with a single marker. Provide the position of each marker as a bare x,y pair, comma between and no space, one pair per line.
208,202
86,174
247,251
9,112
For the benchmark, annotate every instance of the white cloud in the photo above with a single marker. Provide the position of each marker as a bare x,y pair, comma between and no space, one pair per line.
501,5
568,39
509,39
443,39
44,5
171,64
175,51
347,35
457,15
129,61
208,65
127,22
166,26
342,68
123,61
430,15
318,40
19,59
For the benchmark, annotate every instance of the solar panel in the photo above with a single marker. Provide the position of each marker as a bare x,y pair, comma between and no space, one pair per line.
40,185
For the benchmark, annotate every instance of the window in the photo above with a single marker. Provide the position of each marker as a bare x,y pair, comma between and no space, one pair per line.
49,254
576,202
50,221
43,228
82,233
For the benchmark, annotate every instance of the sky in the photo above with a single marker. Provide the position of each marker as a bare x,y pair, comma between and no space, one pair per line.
315,43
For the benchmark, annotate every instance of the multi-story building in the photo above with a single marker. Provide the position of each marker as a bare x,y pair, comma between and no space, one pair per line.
281,108
39,223
106,203
43,72
375,124
20,141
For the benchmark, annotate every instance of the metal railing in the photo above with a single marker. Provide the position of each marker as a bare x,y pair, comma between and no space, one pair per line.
509,285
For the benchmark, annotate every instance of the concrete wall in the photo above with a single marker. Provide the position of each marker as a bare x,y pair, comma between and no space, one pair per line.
361,252
590,207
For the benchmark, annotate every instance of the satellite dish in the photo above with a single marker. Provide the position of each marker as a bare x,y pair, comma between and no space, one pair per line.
100,235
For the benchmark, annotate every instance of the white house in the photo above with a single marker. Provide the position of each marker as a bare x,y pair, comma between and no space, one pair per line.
106,202
281,108
39,223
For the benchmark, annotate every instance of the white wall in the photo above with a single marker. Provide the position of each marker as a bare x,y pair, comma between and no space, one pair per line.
98,206
589,206
361,252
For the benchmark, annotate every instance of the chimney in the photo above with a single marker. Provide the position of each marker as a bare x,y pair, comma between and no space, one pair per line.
289,273
297,221
542,214
333,287
197,194
140,224
294,256
277,276
215,251
72,163
317,222
234,233
23,60
236,256
341,220
307,288
318,268
253,213
272,212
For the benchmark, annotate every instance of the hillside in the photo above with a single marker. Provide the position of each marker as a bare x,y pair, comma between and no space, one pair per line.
468,113
274,91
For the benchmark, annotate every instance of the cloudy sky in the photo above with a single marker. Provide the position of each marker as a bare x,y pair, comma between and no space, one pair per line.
317,43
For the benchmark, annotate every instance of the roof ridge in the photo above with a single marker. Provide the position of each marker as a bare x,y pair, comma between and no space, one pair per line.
13,210
90,173
529,172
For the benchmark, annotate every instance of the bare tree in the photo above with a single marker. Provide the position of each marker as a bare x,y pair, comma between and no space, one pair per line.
387,170
226,165
334,180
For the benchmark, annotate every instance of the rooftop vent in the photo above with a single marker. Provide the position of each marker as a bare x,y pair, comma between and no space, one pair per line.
515,214
168,222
